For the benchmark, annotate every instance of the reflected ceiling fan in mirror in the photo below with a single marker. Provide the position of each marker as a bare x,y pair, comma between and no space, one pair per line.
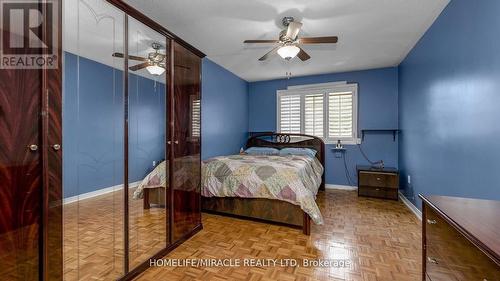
154,63
289,43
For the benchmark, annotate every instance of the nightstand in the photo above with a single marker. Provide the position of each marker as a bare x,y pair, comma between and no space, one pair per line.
378,183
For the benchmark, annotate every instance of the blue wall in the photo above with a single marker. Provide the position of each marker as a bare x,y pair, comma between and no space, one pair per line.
93,122
378,101
224,111
93,125
449,90
147,123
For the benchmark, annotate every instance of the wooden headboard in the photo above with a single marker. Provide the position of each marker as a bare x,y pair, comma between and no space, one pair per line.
283,140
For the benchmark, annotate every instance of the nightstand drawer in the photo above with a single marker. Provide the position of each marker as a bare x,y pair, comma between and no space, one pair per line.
378,179
378,192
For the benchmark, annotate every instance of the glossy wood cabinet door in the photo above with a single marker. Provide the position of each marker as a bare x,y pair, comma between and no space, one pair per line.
30,169
20,174
185,143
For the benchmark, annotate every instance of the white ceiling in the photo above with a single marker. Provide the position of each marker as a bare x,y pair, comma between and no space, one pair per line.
372,33
94,29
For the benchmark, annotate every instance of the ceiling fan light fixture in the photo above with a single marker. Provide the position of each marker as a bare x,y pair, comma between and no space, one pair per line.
288,51
155,69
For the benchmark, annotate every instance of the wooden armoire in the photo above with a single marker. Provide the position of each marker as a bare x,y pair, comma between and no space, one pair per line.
31,149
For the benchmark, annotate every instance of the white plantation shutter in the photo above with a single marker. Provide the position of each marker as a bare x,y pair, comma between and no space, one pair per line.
313,115
195,117
340,115
289,115
327,110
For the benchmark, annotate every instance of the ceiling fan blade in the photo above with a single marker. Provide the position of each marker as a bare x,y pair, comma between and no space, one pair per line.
293,30
120,55
139,66
319,40
137,58
260,41
272,52
303,55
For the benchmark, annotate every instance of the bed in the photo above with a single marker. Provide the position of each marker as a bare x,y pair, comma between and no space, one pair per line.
152,188
278,189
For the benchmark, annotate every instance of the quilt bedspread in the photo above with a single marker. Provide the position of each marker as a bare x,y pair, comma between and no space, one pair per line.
292,178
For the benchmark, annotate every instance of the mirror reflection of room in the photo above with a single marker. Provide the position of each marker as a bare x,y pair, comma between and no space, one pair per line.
147,166
93,127
95,139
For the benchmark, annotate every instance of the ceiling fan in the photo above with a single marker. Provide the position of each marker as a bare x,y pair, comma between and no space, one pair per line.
154,63
289,43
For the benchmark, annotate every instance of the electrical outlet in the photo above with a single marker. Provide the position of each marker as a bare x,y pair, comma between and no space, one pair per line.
409,179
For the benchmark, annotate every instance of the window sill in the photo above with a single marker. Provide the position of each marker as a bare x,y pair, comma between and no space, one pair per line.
344,142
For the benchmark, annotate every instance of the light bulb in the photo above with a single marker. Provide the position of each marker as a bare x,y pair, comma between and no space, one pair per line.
155,69
288,51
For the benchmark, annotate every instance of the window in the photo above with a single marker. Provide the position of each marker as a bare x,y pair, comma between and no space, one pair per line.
313,115
340,115
195,117
290,114
328,111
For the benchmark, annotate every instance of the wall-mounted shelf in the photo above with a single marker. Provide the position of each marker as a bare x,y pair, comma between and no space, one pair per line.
394,132
338,152
251,134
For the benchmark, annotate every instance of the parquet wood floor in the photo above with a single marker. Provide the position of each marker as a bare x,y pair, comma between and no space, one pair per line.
381,238
93,236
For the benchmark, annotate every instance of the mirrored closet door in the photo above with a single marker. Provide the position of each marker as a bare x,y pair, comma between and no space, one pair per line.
116,142
101,154
100,163
93,140
148,164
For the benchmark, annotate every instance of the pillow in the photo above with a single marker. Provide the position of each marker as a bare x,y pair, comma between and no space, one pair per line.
298,151
262,151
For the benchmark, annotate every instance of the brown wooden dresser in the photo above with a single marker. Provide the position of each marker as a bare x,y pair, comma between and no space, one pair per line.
379,183
460,239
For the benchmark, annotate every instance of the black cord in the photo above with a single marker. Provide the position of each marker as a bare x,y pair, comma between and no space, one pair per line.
347,173
378,163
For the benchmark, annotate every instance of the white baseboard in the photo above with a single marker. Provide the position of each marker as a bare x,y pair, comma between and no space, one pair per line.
341,187
410,206
98,192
